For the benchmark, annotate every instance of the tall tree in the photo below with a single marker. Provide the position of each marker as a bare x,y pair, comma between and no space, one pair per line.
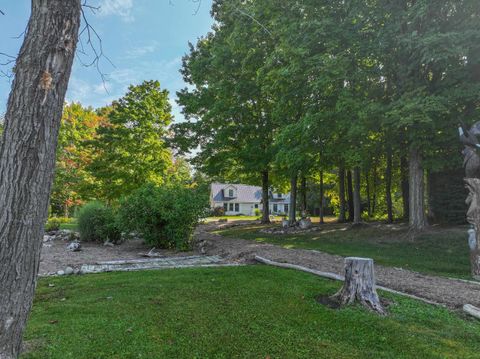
73,183
229,117
27,157
132,145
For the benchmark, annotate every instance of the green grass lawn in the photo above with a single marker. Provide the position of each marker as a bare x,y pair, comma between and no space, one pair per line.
231,218
254,218
72,226
441,251
235,312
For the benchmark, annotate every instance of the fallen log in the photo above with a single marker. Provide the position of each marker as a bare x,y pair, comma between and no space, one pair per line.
472,310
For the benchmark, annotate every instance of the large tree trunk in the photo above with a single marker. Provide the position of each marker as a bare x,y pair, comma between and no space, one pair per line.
417,220
303,190
367,186
292,219
351,209
388,186
322,195
473,217
359,285
405,187
265,197
27,157
357,201
341,195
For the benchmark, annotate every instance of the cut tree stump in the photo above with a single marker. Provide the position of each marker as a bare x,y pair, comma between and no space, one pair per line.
359,285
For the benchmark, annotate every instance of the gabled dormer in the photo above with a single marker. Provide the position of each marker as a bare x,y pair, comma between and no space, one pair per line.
230,192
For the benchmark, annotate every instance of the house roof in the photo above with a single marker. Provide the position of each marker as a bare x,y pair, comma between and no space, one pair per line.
245,193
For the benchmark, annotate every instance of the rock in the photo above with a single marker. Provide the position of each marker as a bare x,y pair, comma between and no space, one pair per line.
74,247
60,272
47,238
305,223
69,271
108,244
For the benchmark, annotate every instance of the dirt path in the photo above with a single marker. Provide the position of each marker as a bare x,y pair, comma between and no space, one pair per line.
55,256
453,293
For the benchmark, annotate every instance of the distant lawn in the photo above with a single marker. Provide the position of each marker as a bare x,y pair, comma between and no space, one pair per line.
242,312
232,218
254,218
441,251
72,226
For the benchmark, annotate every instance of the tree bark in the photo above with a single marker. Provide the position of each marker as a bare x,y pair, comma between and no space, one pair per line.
322,195
293,201
303,190
374,188
27,157
388,186
359,285
417,220
265,197
367,186
341,195
473,217
351,209
357,201
405,187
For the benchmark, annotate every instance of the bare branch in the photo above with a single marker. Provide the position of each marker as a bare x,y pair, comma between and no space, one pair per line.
254,20
1,12
199,2
94,43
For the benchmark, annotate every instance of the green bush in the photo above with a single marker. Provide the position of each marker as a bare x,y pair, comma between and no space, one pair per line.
53,224
164,216
97,222
218,212
258,213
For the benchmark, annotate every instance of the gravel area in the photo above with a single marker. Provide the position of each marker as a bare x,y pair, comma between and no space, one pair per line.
451,292
55,256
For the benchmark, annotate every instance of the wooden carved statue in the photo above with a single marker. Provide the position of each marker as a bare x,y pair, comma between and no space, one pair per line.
471,164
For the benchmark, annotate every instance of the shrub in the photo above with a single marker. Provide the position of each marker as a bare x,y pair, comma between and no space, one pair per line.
258,213
53,224
97,222
164,216
218,212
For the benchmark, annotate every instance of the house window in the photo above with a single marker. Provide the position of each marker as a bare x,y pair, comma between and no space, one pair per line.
256,205
237,207
275,208
225,207
230,193
231,207
286,208
279,195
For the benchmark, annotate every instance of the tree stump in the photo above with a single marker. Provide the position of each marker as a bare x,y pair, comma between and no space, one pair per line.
359,285
473,217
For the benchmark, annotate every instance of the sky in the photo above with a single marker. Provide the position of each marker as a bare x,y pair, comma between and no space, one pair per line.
144,39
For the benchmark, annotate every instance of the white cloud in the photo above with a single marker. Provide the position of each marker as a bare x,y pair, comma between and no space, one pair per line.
122,8
94,94
140,51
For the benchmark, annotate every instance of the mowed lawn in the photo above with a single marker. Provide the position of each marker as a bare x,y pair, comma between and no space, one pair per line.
234,312
440,250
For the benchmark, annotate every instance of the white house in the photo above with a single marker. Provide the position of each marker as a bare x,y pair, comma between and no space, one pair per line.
238,199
